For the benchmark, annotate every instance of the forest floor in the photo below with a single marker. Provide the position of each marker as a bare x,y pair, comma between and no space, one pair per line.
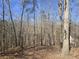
48,53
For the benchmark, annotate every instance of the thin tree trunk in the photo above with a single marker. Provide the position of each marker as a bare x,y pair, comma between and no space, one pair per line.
20,33
3,43
34,28
28,29
50,41
12,23
53,37
41,32
60,15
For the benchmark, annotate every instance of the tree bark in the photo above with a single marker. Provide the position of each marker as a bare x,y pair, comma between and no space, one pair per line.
66,38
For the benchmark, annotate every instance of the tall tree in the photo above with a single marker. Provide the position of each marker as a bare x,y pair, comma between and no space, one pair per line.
66,32
41,27
50,40
35,5
28,25
43,18
11,17
3,42
21,23
24,4
60,16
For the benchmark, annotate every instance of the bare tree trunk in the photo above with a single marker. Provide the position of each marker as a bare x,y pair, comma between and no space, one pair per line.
12,23
65,49
60,16
49,36
41,32
28,30
34,30
3,42
34,39
57,40
21,30
53,37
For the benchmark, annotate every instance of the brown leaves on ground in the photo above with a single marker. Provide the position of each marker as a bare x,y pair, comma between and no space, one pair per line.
46,54
55,54
58,56
75,52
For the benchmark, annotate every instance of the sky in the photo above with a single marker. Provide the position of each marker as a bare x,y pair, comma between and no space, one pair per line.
50,6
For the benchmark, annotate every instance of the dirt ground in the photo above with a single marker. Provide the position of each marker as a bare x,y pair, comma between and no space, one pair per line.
45,54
